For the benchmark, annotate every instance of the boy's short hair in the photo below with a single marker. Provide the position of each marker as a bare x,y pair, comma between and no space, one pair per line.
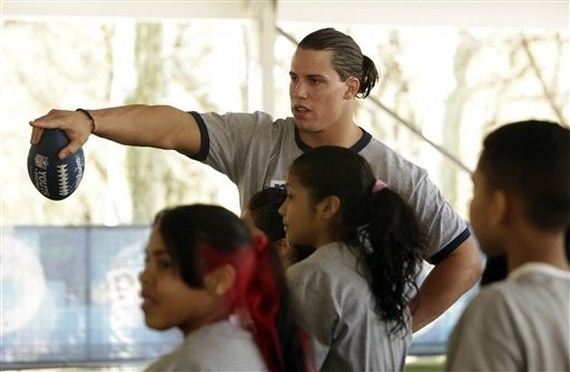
531,160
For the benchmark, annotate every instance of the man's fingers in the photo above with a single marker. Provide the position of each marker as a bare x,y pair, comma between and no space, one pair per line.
36,135
67,121
47,121
43,122
68,150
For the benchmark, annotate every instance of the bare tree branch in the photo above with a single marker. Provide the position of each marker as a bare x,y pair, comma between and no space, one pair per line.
547,94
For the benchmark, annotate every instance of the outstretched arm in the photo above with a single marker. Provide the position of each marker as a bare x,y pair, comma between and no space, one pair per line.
162,127
446,283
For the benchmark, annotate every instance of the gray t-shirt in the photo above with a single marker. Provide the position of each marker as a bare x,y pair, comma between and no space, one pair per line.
337,310
220,346
520,324
255,152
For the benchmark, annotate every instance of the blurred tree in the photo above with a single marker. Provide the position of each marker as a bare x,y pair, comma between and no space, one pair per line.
146,167
499,75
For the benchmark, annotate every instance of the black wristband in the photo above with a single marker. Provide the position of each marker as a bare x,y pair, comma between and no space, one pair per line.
88,114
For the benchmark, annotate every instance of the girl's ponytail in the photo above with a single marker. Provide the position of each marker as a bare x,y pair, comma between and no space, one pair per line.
394,243
275,331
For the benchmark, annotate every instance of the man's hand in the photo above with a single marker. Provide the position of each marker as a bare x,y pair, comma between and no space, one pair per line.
75,124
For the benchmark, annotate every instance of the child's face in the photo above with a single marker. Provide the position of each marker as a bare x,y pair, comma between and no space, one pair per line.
167,300
481,214
299,214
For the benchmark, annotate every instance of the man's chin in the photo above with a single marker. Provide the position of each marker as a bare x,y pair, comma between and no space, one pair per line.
306,126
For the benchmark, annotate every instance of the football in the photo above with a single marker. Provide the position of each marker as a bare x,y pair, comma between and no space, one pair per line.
54,178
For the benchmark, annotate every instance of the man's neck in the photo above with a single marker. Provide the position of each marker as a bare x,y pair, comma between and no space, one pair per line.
343,137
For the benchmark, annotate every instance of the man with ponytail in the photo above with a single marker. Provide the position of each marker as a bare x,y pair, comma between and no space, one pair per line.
328,74
225,291
353,293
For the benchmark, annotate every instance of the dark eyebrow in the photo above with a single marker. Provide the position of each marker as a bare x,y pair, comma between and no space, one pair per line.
315,76
310,76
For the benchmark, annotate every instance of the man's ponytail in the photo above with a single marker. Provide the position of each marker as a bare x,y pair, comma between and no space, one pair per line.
369,77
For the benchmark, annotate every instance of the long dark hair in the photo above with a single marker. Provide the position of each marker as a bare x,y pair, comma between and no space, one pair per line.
202,237
380,224
347,59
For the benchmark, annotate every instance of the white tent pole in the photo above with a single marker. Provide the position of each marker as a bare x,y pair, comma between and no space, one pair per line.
266,21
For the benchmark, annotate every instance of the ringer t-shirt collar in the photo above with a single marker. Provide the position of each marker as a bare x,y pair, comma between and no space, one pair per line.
357,147
538,267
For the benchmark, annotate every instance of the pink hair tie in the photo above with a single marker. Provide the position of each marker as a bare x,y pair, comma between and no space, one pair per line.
378,185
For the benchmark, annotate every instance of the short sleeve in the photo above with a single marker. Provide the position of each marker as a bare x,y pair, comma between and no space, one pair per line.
483,339
445,228
243,146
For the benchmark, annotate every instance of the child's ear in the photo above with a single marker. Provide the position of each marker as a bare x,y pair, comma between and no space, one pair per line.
283,248
500,208
220,280
329,206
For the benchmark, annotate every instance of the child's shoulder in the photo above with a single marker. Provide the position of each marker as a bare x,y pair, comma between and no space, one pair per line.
517,291
331,263
205,350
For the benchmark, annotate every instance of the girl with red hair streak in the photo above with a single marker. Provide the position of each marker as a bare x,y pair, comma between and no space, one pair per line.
226,291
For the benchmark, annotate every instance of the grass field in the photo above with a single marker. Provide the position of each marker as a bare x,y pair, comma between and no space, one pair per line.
425,364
